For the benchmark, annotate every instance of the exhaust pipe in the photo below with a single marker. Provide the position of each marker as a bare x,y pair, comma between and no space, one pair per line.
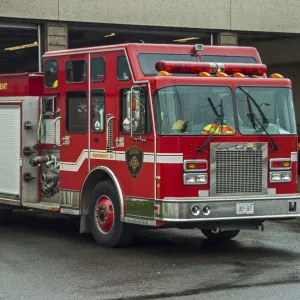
216,230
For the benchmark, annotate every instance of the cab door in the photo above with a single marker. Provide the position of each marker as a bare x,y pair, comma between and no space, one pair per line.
136,142
74,123
102,107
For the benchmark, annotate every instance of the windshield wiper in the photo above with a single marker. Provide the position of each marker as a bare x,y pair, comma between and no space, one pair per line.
219,117
263,116
254,118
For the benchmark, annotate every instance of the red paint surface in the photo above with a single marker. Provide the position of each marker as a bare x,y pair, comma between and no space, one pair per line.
24,84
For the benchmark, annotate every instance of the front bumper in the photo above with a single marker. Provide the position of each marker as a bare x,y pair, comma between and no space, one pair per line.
225,208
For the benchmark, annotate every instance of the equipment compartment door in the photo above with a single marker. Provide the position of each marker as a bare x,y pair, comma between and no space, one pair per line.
10,139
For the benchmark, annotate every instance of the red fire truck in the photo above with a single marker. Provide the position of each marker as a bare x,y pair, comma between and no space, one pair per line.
150,135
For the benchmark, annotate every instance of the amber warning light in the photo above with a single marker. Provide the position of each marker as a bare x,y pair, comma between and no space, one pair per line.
212,68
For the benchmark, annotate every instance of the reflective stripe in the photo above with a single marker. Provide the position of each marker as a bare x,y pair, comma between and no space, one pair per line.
161,158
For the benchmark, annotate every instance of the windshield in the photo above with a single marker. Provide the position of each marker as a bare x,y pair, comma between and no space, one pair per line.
228,59
273,106
194,110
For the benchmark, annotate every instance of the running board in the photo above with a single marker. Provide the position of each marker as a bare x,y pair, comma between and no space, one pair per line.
53,208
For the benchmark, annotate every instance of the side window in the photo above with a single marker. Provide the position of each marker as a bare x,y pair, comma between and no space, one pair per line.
51,74
144,124
98,111
76,71
76,118
123,71
98,69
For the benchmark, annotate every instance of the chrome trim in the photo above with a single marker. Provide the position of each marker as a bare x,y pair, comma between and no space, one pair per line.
89,111
280,159
43,206
194,174
231,219
231,198
70,198
294,156
69,211
273,207
39,47
227,147
10,202
116,182
185,162
280,172
109,133
54,124
140,221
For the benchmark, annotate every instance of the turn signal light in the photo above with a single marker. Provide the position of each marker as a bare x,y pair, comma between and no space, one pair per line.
280,164
195,165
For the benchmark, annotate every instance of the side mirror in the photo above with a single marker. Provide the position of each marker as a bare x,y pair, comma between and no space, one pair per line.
133,105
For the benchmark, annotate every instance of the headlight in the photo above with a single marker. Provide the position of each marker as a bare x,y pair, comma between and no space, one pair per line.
280,176
194,179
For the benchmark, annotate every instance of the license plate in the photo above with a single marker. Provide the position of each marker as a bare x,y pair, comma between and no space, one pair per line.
244,208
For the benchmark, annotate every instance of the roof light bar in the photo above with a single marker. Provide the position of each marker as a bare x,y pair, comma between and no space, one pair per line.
185,67
213,68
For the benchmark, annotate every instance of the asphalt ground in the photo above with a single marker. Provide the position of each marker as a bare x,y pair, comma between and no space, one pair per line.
45,258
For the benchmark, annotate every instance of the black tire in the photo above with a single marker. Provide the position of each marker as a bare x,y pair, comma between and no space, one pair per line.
120,233
5,215
221,236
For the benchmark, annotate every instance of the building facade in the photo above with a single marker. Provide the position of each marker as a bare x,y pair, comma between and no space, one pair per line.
36,26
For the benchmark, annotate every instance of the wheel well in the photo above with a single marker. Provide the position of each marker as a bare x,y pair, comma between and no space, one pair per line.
93,178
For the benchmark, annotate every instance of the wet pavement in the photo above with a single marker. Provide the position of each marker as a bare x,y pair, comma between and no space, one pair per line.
44,258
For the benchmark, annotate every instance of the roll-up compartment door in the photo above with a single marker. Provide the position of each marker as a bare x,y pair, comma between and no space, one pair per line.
10,137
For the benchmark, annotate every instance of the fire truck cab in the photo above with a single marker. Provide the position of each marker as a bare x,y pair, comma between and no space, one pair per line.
155,135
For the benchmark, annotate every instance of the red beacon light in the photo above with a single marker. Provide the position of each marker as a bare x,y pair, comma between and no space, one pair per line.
246,69
211,68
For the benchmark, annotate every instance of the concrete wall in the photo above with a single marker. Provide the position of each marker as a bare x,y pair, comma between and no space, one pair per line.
254,15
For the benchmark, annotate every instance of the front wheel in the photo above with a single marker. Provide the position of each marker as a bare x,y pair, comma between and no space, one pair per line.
221,236
104,216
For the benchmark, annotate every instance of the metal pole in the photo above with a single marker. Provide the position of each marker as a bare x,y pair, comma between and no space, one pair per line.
40,48
211,39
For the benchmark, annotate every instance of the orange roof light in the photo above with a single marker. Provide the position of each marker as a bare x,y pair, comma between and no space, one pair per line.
204,74
163,73
238,74
276,75
221,74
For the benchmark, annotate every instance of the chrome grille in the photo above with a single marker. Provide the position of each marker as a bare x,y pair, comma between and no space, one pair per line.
239,171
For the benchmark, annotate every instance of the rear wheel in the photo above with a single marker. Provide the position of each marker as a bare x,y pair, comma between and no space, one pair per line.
5,215
220,236
104,216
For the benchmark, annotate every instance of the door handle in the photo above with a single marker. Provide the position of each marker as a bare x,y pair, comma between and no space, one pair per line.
55,121
109,133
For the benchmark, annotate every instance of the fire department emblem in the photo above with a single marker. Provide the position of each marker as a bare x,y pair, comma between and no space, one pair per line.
134,161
